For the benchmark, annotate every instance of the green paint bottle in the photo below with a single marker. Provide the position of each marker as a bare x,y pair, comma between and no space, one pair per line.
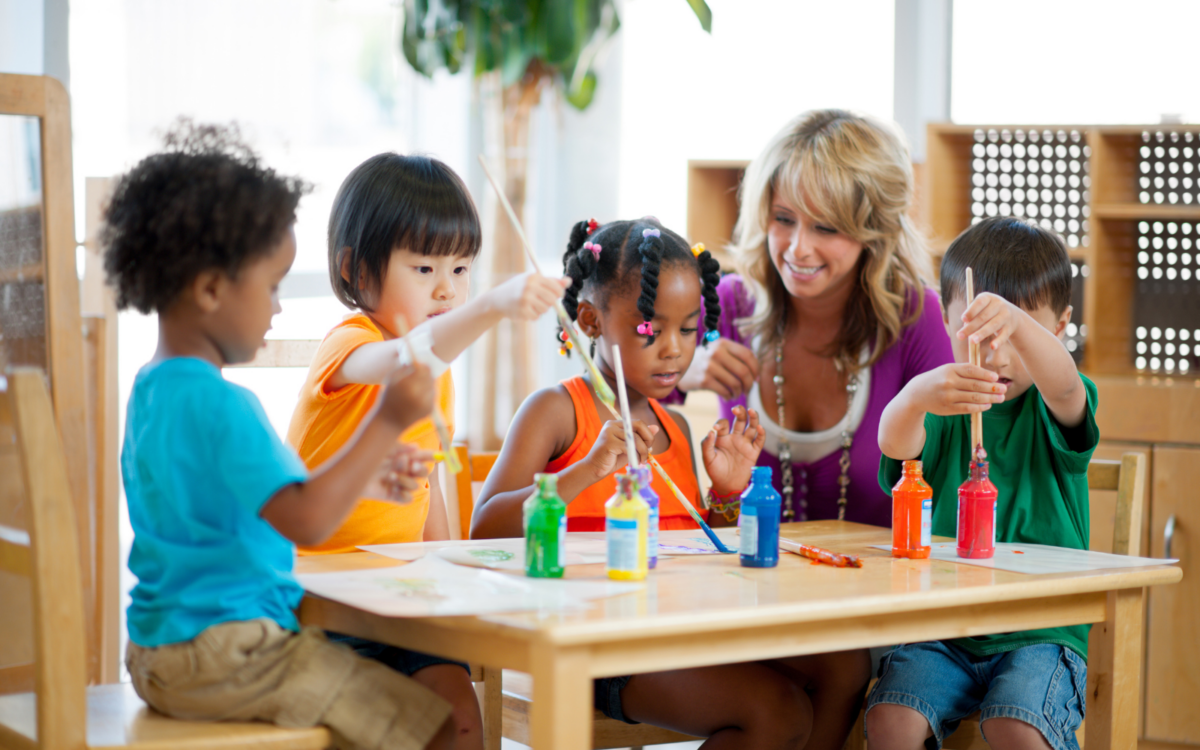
545,529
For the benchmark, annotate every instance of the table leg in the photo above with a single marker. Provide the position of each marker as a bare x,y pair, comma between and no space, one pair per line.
1115,673
562,700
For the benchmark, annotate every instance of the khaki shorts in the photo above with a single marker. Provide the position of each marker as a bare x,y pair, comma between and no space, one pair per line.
256,670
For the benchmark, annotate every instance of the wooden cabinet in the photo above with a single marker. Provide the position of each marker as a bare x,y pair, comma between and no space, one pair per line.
1172,711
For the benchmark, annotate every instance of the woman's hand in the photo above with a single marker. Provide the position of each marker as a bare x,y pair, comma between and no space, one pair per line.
957,388
404,471
730,453
609,448
726,367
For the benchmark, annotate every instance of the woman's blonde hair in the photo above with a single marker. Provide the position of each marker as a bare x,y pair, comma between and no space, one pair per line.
853,173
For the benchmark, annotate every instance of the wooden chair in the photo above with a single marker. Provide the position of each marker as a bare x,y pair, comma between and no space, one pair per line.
63,713
1128,478
506,695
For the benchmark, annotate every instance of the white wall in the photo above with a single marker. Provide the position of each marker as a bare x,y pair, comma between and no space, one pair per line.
22,32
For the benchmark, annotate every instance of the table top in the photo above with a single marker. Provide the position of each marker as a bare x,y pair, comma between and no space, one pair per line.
728,595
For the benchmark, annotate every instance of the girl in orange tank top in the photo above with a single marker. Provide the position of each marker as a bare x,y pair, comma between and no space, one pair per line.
639,286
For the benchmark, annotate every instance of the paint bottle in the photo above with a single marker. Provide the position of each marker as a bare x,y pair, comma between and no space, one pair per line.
977,512
642,476
912,514
626,522
759,521
545,529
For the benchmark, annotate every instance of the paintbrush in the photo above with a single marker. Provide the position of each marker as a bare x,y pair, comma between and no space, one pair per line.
630,445
819,554
439,420
598,382
602,388
974,359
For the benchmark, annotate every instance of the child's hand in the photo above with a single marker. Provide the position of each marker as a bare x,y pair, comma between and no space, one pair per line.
527,296
729,454
408,398
990,315
609,448
404,471
957,388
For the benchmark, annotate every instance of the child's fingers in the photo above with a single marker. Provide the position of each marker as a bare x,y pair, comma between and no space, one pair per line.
739,421
708,447
964,371
752,425
721,428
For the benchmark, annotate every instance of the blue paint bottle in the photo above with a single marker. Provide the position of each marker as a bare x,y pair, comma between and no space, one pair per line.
642,476
759,521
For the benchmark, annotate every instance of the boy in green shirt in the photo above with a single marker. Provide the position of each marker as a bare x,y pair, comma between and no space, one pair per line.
1039,433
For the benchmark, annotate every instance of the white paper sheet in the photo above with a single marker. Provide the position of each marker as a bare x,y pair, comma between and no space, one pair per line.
677,542
432,586
1040,558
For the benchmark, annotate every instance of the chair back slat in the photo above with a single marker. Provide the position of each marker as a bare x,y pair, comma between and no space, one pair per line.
60,655
1103,474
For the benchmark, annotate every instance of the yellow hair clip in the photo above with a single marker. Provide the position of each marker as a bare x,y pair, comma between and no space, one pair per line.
698,248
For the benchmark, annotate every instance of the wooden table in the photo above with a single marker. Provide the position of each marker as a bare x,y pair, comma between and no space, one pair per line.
697,611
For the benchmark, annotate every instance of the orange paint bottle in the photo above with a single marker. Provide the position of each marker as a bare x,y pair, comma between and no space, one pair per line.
912,513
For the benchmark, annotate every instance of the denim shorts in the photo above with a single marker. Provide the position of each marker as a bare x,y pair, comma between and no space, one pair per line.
400,659
607,697
1044,685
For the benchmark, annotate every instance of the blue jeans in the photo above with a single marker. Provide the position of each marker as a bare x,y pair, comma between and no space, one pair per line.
1044,685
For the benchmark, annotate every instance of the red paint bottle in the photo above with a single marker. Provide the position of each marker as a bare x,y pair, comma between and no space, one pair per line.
977,512
912,508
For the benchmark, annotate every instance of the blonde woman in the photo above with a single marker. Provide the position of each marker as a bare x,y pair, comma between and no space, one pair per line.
830,316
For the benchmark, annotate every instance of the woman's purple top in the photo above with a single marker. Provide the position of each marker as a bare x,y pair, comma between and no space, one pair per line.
922,346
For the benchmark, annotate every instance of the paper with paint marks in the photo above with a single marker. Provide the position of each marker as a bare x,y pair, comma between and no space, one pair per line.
1034,559
432,587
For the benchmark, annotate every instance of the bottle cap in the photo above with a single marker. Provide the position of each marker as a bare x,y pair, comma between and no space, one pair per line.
641,475
912,466
546,482
761,475
625,485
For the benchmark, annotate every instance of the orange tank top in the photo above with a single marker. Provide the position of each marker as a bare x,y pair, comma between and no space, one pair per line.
586,512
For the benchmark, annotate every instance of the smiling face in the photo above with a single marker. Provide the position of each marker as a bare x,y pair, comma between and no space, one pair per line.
652,370
420,287
1004,361
813,258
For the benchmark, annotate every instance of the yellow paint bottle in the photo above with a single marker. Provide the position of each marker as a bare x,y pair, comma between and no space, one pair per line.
626,527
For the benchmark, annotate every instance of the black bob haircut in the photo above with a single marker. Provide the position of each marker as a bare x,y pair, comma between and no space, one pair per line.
392,202
205,201
1015,259
643,246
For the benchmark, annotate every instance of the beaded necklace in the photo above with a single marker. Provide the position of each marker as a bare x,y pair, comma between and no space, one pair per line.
785,449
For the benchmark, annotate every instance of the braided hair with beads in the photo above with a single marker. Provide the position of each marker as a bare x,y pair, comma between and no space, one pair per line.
601,259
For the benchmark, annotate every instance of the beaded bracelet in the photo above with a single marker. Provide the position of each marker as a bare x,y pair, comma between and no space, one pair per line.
729,505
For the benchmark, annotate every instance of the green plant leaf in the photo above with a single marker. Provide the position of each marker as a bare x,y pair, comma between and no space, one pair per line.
703,12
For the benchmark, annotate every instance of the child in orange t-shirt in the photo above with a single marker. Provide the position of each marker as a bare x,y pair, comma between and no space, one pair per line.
402,236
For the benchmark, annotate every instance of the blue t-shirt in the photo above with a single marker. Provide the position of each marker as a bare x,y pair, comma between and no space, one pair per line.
199,461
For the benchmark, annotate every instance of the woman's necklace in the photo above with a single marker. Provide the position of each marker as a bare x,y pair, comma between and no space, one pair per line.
785,449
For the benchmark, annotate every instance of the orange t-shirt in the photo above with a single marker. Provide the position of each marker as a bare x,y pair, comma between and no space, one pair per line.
586,512
324,420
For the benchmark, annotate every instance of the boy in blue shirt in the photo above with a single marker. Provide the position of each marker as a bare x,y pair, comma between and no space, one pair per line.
202,234
1039,434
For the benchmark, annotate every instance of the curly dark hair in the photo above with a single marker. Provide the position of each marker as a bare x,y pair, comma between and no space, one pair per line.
205,201
641,246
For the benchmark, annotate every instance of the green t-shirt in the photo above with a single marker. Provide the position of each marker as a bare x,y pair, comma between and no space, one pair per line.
1040,472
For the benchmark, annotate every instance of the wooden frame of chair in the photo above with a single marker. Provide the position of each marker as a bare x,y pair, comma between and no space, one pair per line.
46,99
63,713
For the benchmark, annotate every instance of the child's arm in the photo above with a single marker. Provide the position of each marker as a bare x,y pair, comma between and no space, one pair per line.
309,512
1046,360
538,434
437,527
523,297
950,389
